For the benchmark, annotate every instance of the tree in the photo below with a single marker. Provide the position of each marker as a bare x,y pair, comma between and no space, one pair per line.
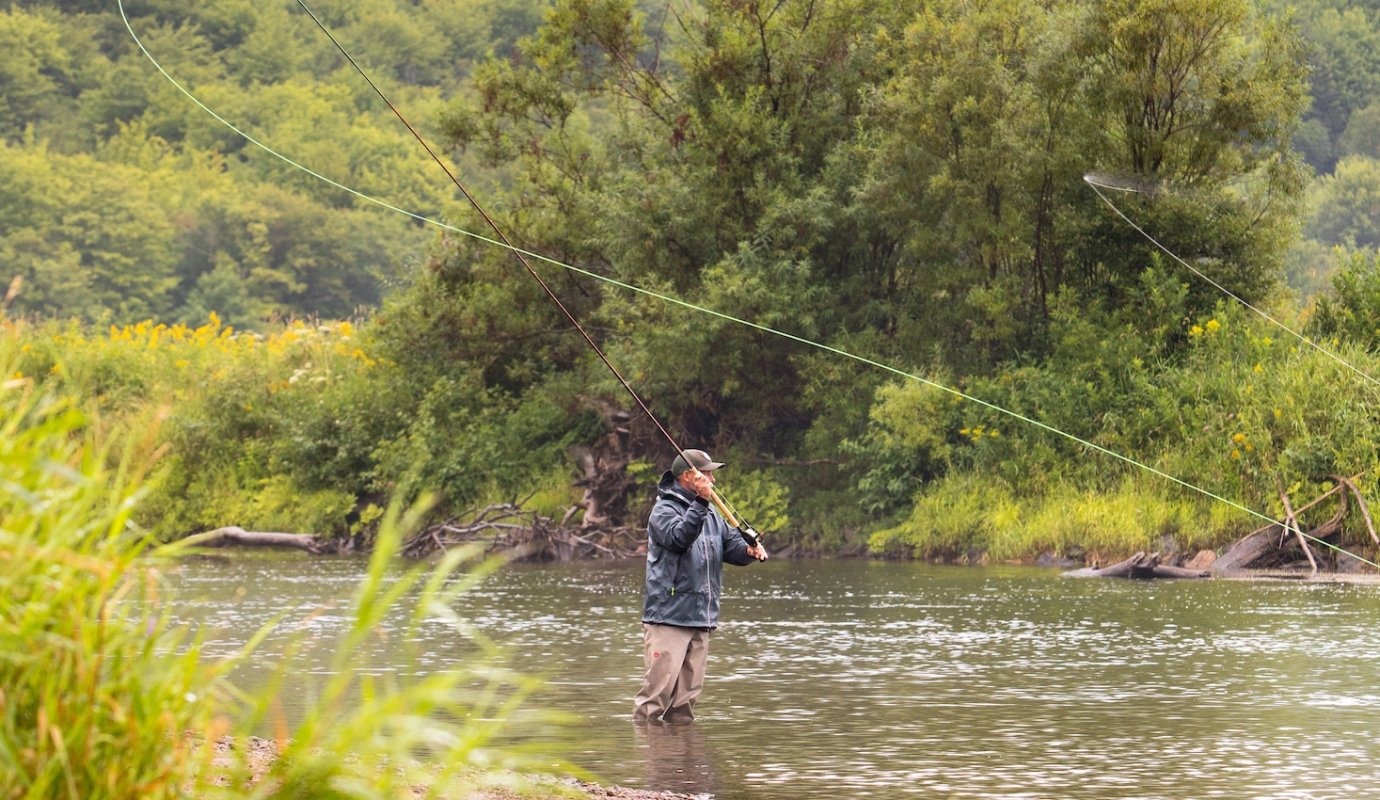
1347,204
36,70
895,178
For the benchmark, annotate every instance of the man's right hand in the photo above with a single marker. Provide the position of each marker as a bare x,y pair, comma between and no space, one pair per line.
701,484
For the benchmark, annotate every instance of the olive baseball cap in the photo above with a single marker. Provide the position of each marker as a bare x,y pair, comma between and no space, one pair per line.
693,459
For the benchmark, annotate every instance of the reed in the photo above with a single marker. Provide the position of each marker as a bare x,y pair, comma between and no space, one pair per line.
97,685
104,694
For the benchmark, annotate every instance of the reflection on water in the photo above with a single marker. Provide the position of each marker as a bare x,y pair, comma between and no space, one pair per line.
856,679
676,757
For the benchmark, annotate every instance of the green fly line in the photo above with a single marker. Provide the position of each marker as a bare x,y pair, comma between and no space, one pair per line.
671,300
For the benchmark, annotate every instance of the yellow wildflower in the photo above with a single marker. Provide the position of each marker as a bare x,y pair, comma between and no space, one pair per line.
1196,330
1236,454
1257,369
1213,326
1238,437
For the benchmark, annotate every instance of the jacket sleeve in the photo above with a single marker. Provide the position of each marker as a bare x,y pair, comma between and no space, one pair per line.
674,529
736,550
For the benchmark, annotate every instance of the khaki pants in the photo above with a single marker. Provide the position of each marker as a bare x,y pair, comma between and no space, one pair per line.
673,662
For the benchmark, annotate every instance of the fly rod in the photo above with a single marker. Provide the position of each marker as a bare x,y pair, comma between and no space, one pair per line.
749,534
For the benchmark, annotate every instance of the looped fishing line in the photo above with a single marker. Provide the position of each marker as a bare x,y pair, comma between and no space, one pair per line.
718,314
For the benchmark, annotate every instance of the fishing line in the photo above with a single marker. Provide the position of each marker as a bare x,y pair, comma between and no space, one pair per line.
1097,185
676,301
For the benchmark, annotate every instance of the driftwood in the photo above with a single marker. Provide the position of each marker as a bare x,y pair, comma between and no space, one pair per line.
1350,483
1291,523
1141,566
1278,545
1282,545
507,528
235,535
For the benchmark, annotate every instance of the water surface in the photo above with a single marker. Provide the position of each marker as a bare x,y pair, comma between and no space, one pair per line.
833,679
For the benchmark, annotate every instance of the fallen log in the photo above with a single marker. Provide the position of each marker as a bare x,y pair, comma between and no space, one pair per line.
1278,544
235,535
1249,549
1141,566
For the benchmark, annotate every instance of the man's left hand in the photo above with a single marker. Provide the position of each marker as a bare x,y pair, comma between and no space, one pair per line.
759,552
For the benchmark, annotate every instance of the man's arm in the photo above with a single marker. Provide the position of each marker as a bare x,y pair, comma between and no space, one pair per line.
677,530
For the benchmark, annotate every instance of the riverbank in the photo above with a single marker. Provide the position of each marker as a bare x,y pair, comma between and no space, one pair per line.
256,757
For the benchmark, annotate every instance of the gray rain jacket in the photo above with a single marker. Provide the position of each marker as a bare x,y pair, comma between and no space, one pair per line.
687,545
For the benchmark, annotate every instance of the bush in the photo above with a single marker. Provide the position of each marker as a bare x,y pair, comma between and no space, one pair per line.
1240,411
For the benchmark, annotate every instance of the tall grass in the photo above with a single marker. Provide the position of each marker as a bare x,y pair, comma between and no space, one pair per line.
437,734
97,686
104,695
971,514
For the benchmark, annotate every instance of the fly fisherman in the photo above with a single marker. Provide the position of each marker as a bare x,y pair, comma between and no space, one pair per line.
687,545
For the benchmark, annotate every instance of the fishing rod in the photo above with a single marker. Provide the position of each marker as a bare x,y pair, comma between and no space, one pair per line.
677,301
749,534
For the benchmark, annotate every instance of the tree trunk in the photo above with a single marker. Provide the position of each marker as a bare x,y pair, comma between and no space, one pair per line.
1140,566
234,535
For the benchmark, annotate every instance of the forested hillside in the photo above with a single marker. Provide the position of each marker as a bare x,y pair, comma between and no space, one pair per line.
903,181
1339,137
121,200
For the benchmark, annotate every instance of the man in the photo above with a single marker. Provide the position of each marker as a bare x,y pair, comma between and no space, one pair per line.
687,545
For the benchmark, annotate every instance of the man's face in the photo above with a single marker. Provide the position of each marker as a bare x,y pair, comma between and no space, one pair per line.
687,478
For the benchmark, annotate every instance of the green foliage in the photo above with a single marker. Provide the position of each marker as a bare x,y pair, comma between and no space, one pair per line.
1247,411
104,697
900,180
123,201
302,429
1346,204
388,737
761,498
100,687
972,517
1352,311
910,441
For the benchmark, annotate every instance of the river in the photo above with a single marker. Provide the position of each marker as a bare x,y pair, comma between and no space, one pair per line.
855,679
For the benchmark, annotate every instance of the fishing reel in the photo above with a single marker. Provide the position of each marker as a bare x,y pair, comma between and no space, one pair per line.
751,535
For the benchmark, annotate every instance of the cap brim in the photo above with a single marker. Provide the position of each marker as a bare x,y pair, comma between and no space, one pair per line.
711,466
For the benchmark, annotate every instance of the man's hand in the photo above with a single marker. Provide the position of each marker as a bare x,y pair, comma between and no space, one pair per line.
759,552
701,484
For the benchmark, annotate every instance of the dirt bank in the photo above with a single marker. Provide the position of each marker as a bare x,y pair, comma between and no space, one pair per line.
259,755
